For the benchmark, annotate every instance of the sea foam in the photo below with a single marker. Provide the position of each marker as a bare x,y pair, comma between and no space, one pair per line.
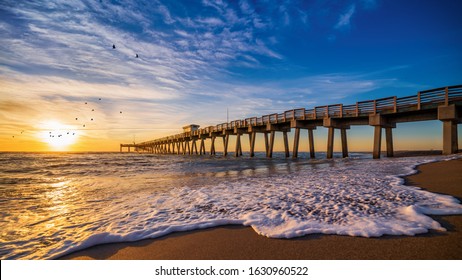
355,197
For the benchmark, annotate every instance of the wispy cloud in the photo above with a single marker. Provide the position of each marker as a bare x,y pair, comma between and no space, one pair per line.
58,56
80,44
345,19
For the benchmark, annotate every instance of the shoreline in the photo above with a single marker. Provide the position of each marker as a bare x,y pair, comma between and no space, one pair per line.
243,243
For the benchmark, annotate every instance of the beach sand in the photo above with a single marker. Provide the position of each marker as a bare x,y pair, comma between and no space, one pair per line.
242,243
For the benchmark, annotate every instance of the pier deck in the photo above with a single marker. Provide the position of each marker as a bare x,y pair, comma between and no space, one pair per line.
444,104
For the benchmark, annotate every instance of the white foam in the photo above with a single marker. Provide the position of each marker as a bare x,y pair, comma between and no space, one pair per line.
351,197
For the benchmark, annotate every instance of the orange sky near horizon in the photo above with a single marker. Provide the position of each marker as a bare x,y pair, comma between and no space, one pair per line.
410,136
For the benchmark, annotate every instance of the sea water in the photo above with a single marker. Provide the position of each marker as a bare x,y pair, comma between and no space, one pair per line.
52,204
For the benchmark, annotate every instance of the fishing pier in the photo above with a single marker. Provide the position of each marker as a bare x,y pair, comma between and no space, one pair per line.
444,104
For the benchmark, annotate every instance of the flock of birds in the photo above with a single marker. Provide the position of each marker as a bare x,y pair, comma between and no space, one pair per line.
52,135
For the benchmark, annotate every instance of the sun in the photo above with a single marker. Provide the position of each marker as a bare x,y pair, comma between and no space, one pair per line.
57,135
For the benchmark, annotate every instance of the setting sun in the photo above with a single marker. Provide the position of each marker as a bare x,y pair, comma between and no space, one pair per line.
57,135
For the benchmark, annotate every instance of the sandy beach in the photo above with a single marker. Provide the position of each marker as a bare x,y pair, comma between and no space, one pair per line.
242,243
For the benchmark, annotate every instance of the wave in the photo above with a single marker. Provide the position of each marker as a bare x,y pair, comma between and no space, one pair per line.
277,198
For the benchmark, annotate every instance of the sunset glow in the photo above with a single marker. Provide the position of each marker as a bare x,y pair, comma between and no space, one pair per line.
58,136
143,70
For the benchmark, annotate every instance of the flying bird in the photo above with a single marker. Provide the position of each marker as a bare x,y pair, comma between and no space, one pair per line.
137,56
76,118
83,125
99,98
121,112
113,46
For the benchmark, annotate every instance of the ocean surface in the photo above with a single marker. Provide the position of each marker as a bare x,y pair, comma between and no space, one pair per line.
56,203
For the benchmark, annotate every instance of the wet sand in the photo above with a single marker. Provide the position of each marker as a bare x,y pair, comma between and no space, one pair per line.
242,243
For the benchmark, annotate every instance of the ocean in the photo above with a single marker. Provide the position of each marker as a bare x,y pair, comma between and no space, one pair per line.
52,204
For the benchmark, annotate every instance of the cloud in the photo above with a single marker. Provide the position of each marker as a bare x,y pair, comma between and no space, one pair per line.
345,19
57,56
245,7
211,21
166,14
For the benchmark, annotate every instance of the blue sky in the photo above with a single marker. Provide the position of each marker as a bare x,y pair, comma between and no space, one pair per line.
198,58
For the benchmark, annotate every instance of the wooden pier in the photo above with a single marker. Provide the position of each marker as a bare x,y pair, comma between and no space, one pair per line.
444,104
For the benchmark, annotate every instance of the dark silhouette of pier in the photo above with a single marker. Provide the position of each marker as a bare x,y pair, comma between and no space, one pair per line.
444,104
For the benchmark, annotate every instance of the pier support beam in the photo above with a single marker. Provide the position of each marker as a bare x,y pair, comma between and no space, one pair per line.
252,136
286,143
240,148
448,115
194,147
380,122
225,144
377,141
311,143
389,139
450,145
330,142
265,135
189,147
202,147
332,124
238,145
343,135
296,142
302,124
212,146
271,144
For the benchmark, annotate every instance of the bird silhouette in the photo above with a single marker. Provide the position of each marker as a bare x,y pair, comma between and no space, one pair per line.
113,46
92,110
99,98
121,112
76,118
83,125
137,56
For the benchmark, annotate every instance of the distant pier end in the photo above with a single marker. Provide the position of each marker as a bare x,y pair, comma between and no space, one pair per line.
444,104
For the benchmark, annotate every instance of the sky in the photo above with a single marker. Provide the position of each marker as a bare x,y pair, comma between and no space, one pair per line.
63,86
